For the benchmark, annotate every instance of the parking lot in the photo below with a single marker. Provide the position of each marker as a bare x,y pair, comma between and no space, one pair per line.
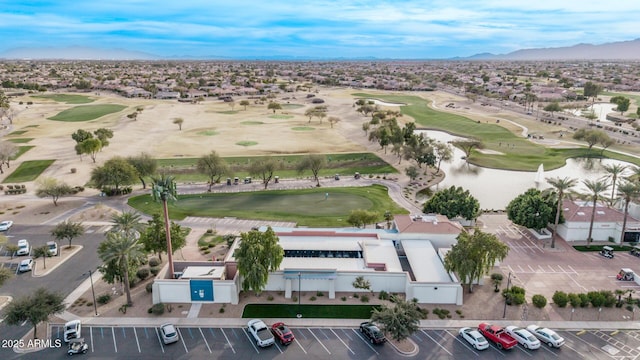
334,343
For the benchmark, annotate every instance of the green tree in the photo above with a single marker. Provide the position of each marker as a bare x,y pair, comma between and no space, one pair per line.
613,172
596,188
42,252
120,247
213,166
333,120
453,202
67,230
34,308
443,152
154,237
592,90
412,172
245,103
179,122
81,135
5,275
474,255
622,102
104,134
145,166
128,222
89,147
50,187
313,162
467,146
115,172
591,137
400,321
553,107
164,189
258,254
627,191
7,151
264,168
360,217
531,209
562,186
274,106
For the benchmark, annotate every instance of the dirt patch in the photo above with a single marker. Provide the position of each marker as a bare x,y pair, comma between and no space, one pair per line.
99,212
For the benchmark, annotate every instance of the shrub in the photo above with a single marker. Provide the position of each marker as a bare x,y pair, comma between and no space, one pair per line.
89,303
609,298
584,300
221,310
294,298
596,298
154,261
364,298
313,298
155,270
355,295
383,295
157,309
517,299
575,300
319,293
103,299
517,290
344,298
143,273
149,287
539,301
560,298
270,297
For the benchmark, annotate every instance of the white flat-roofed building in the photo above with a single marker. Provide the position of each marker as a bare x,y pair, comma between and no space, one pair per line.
203,272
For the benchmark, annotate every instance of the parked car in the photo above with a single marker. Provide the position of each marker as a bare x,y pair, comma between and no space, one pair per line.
6,225
25,265
546,336
23,247
260,332
53,248
372,332
282,333
523,337
72,330
474,338
168,333
497,335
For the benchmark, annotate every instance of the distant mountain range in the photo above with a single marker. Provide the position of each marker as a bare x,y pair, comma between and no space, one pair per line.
622,50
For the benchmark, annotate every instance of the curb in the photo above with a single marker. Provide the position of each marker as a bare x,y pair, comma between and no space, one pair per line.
51,268
411,353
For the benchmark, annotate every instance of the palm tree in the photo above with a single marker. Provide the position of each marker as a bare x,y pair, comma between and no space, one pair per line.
596,188
128,222
120,247
164,189
613,171
627,191
561,186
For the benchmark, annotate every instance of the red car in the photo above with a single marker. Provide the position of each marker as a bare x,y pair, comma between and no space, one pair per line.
282,333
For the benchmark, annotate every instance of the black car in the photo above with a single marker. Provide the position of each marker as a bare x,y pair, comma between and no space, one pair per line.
371,331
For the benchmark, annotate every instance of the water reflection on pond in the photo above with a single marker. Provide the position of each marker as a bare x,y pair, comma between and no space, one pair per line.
494,189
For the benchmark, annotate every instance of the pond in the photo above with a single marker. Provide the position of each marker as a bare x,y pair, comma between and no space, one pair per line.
494,188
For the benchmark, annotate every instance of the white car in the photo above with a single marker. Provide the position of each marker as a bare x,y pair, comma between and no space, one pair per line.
6,225
72,330
53,248
474,338
523,337
25,265
261,333
23,247
168,333
546,336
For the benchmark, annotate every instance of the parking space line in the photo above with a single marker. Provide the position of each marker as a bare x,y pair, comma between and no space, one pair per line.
250,340
91,336
300,345
588,344
159,340
346,333
434,340
542,346
212,333
277,347
113,335
321,344
360,336
182,338
205,340
228,342
345,344
464,343
137,341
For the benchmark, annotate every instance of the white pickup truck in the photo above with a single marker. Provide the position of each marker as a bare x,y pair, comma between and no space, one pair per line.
261,333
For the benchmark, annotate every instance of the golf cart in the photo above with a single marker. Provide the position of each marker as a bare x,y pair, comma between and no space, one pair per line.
607,251
625,275
635,251
77,346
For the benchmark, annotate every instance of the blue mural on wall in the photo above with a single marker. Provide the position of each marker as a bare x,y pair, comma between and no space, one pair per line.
201,290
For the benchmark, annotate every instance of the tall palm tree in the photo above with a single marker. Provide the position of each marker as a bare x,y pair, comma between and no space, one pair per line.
627,191
128,222
121,248
596,188
614,171
561,186
164,189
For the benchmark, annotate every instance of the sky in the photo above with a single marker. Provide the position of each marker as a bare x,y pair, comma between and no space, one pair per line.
316,29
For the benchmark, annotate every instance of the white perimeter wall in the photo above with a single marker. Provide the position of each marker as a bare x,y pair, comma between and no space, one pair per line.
178,291
435,293
578,231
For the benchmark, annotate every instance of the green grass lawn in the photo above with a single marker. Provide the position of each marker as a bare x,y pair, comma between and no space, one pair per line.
308,311
291,106
251,122
17,132
524,155
306,207
303,128
21,150
593,247
28,171
87,112
246,143
66,98
228,112
20,140
207,133
281,116
184,169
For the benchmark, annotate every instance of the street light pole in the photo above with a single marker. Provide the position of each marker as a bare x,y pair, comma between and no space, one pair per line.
504,312
93,292
299,294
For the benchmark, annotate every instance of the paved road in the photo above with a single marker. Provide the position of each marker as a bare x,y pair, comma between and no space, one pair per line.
324,343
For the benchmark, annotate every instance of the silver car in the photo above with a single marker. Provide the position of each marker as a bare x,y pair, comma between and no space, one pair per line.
523,337
168,333
546,336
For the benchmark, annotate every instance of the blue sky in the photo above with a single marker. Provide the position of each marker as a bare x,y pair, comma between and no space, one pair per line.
317,29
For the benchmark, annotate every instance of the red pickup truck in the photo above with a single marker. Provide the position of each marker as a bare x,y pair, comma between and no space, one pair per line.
497,335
